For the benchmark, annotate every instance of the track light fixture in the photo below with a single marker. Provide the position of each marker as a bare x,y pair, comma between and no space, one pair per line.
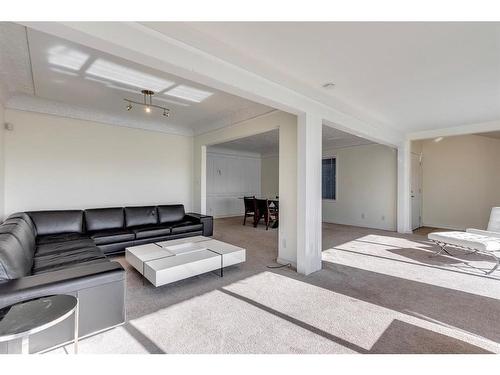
147,103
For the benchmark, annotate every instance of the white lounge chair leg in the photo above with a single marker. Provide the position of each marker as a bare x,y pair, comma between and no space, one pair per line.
496,265
442,247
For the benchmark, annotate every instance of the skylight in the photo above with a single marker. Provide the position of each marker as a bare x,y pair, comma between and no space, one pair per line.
67,58
189,93
165,100
131,77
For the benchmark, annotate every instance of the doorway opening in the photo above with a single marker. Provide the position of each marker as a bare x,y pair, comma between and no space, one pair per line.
242,189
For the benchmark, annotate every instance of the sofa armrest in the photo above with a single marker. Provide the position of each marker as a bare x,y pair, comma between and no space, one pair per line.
196,216
483,232
60,282
207,221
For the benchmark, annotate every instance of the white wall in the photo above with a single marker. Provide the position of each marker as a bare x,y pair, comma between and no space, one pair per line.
2,161
269,176
243,129
461,181
58,163
230,176
366,186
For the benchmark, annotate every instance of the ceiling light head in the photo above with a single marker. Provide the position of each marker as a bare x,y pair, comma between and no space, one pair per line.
328,85
147,103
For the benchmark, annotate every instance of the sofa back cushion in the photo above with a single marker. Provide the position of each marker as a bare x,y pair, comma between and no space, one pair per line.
136,216
17,246
55,222
170,213
104,218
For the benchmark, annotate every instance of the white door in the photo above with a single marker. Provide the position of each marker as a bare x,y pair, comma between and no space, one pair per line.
416,191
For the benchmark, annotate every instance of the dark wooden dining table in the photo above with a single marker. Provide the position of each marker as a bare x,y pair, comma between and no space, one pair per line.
269,199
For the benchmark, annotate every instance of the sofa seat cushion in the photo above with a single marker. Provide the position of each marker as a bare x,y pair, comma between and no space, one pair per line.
185,226
63,237
89,263
151,231
112,236
57,247
51,261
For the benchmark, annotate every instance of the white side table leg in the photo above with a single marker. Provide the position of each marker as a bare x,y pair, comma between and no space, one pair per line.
76,327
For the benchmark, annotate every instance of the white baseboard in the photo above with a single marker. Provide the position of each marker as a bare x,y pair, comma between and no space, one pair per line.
389,228
228,216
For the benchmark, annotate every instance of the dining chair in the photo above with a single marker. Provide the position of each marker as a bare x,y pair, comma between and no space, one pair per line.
263,211
250,208
274,210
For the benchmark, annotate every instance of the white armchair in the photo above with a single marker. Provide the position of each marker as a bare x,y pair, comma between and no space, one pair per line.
493,229
473,240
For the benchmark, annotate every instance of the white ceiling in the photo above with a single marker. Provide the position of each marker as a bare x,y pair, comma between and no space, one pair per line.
76,81
268,143
334,139
407,76
264,143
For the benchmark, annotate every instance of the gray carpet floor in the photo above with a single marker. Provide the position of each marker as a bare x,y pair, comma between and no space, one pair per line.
378,292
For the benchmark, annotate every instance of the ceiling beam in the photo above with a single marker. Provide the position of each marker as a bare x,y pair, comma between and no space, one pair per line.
483,127
140,44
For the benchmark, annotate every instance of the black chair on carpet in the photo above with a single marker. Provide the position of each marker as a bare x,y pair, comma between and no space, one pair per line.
263,211
249,209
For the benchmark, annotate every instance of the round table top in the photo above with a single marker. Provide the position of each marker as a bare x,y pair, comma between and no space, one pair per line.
34,315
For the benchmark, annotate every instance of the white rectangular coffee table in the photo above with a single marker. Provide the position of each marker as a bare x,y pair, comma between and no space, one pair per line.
169,261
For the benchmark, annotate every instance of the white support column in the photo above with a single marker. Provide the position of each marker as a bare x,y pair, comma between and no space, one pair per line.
203,181
309,219
404,197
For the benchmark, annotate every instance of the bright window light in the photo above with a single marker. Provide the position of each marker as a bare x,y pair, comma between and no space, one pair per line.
189,93
122,89
165,100
131,77
67,57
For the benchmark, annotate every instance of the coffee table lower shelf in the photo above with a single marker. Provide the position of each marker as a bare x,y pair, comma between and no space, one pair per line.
169,261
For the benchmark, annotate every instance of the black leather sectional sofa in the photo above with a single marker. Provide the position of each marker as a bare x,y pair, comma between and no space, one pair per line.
51,252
